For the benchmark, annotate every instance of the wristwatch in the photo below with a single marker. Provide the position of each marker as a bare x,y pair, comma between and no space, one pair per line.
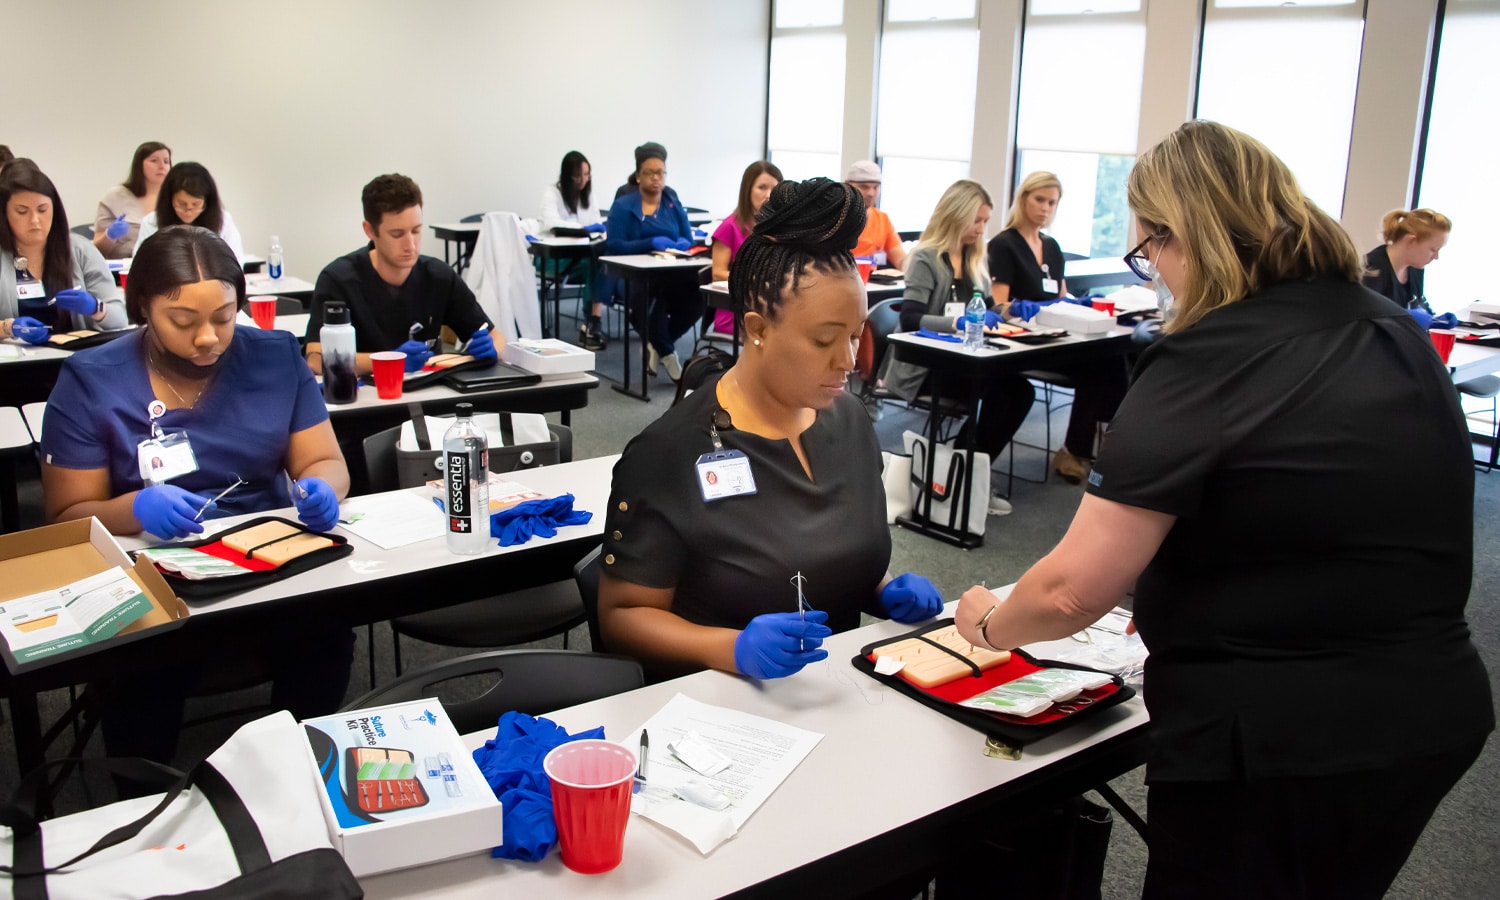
984,620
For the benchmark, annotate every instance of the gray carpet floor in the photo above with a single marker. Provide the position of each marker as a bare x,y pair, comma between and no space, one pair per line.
1457,857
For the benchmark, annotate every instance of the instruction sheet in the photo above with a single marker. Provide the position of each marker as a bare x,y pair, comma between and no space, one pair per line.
84,612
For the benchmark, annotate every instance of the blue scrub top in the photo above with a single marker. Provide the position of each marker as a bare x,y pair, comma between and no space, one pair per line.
241,426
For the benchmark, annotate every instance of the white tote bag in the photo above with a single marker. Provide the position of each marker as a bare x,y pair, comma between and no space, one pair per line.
896,476
245,822
951,482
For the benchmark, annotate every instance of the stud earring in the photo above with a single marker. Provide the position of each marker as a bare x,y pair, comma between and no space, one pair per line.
757,342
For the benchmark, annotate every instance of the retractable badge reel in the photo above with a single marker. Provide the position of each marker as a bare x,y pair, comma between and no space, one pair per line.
723,473
1049,284
164,455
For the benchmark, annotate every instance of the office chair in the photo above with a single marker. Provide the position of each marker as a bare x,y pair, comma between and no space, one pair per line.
1485,387
526,681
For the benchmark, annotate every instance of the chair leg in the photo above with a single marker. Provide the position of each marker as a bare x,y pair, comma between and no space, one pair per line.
370,642
396,650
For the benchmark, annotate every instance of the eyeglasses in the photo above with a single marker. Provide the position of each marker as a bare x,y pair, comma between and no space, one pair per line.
653,173
1141,264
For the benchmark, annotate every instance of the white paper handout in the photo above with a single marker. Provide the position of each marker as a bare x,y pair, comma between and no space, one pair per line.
392,520
762,754
90,609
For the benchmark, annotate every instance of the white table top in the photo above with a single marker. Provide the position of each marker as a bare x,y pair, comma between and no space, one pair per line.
1014,348
369,399
467,227
261,283
14,432
32,352
588,480
722,287
1469,361
33,413
884,761
123,265
647,261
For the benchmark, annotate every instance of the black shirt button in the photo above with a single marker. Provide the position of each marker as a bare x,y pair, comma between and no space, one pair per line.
624,507
609,559
615,535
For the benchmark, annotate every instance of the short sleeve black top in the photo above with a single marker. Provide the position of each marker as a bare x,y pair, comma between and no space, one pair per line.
432,295
1013,263
1310,597
733,559
1380,277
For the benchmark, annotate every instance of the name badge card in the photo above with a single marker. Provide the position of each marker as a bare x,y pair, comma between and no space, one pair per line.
1049,287
724,473
164,457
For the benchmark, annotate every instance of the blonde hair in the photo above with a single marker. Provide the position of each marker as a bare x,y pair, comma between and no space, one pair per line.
1036,181
1238,215
953,215
1422,223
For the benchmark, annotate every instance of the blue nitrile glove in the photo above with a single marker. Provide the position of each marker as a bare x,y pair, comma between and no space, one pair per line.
938,336
596,228
1423,317
532,239
1024,309
1079,301
482,346
699,233
1446,320
319,506
911,598
511,762
118,228
417,355
30,330
776,645
662,242
683,244
168,511
992,319
533,518
78,301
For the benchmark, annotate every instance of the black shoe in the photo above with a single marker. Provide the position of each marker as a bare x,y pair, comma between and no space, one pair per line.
590,335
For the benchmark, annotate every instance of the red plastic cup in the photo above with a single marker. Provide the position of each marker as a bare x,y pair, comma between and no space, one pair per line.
263,311
591,782
123,276
390,370
1443,341
1105,306
865,268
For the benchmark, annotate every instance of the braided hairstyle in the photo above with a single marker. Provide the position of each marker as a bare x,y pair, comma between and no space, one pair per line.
802,226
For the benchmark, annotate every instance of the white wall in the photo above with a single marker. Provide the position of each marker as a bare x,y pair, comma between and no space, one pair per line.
293,106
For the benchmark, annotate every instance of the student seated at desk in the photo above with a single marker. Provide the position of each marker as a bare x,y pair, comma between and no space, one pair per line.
1397,267
880,241
569,204
397,298
65,284
1026,271
189,196
650,219
755,186
948,266
697,571
248,409
1299,603
118,220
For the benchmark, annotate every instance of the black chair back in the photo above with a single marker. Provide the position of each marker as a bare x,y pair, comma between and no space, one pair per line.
586,574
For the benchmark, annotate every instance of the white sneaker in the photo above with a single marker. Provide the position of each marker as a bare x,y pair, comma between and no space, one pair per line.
653,361
673,367
999,506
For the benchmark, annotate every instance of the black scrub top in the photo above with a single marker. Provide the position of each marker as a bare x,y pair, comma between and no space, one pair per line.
1305,614
432,295
1380,277
1013,263
733,559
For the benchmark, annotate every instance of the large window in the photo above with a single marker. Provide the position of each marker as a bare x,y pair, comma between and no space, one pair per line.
1080,109
1459,177
805,109
1287,75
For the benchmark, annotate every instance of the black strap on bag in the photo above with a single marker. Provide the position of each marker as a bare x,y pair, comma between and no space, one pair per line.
419,425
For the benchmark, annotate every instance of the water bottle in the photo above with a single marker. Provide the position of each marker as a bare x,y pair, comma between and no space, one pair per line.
466,465
340,377
974,323
274,258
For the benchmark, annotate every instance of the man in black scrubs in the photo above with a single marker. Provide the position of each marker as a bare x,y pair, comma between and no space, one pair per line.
397,298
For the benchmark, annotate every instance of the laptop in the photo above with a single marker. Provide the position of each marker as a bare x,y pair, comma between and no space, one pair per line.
499,375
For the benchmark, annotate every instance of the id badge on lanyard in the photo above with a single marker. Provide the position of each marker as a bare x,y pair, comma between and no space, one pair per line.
1049,284
27,285
723,473
165,454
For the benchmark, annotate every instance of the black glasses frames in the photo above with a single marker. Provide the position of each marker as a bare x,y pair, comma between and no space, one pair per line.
1137,260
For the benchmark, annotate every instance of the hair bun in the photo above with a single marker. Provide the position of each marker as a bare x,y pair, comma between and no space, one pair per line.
812,214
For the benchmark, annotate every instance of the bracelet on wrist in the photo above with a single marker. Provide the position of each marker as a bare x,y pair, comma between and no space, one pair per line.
984,638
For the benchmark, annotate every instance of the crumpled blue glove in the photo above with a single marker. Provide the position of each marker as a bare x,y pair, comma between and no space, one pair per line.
1024,309
532,239
776,645
482,346
699,233
417,355
911,598
78,301
318,508
1446,320
30,330
596,228
1423,317
662,242
168,511
992,319
536,518
511,762
683,244
118,228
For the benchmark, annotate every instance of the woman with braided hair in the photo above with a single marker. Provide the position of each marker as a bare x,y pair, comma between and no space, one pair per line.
698,571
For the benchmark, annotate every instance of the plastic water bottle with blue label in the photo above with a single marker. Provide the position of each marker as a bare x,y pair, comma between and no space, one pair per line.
274,258
974,323
466,466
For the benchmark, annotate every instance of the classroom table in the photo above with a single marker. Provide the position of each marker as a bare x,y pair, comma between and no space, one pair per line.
27,371
286,286
950,362
554,393
561,255
891,789
250,264
459,240
1469,361
1083,275
370,585
639,271
716,296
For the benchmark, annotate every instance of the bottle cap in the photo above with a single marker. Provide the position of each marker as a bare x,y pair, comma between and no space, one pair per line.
464,410
335,314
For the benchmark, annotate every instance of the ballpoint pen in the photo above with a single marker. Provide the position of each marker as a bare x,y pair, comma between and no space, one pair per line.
640,765
464,347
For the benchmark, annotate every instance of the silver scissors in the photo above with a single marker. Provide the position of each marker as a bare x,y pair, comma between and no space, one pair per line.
219,496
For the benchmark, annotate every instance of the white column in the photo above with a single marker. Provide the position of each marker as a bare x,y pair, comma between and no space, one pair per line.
862,21
992,159
1169,81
